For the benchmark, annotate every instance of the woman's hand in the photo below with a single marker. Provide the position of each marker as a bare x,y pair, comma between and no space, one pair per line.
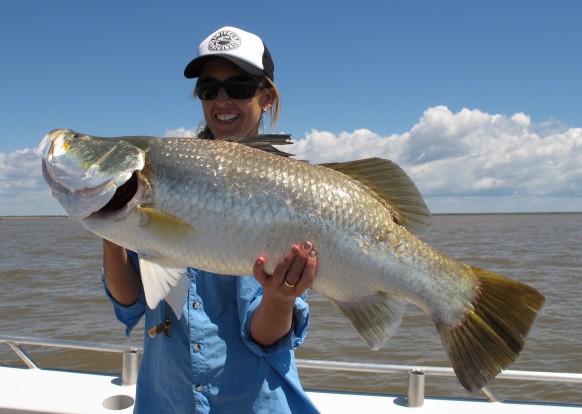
292,276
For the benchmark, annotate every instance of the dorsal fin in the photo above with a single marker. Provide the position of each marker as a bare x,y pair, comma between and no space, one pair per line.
265,142
391,184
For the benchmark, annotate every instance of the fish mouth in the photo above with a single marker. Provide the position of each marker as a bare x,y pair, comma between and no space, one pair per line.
92,176
78,203
122,196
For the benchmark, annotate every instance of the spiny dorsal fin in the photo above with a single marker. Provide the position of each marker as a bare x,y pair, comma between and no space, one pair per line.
390,183
265,142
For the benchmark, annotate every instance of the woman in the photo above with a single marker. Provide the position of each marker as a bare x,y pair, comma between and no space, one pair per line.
232,350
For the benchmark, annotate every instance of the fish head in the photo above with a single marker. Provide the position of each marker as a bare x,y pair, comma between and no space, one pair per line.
85,172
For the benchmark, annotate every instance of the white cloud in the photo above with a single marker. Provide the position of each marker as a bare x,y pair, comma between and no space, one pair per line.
181,132
471,154
22,188
469,161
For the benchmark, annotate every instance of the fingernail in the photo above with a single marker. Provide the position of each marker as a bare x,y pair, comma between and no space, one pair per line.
260,261
307,245
312,254
295,249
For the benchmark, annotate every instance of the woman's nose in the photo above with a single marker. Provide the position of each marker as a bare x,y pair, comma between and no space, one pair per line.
222,96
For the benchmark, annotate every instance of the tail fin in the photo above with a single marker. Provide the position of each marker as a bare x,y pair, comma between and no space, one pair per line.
493,333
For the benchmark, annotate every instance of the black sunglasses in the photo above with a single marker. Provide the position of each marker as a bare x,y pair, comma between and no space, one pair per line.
240,87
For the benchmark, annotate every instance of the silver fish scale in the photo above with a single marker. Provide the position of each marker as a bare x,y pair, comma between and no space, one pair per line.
244,203
240,203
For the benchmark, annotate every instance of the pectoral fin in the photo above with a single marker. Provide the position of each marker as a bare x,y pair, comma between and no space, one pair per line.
165,227
376,317
160,282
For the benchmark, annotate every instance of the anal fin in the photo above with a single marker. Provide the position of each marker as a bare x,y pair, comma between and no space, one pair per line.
376,318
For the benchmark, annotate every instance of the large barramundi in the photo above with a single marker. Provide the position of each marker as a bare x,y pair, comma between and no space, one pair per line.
218,205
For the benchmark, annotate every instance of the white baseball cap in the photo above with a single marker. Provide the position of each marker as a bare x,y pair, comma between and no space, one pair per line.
244,49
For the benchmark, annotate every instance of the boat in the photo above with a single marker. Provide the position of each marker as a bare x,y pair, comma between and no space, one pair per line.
29,388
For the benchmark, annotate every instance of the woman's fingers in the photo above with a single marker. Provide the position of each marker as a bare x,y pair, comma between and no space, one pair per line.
308,274
295,269
294,273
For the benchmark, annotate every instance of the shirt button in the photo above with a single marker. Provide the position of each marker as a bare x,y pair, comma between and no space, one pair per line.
199,387
196,305
197,347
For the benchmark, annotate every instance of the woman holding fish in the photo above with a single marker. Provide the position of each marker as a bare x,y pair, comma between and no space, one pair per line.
230,347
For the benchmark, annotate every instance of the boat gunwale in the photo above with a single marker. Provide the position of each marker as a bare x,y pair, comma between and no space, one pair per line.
16,342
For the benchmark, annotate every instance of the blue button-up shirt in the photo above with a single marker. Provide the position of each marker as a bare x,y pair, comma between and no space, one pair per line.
209,363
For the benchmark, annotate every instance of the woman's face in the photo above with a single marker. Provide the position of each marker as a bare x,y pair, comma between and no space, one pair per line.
228,117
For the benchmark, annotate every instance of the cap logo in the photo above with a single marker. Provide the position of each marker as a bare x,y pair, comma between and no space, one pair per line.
224,40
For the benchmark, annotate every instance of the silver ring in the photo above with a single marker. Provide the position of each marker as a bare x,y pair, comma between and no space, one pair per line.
289,284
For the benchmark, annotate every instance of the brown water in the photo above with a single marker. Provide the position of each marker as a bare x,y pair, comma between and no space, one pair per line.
51,287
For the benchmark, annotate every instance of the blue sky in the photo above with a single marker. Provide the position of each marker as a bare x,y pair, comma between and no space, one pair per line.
479,101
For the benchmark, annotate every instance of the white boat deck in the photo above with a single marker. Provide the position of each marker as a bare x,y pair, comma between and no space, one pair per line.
43,391
25,391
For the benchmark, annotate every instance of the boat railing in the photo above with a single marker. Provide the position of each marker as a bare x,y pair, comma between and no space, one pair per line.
415,373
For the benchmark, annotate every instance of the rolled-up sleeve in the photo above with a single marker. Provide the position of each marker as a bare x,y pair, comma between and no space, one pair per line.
291,341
